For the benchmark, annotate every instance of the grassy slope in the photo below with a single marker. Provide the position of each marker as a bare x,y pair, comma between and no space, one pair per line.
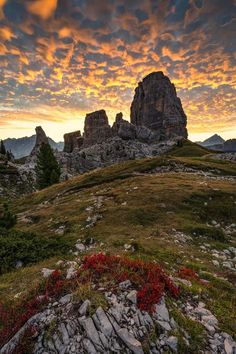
143,209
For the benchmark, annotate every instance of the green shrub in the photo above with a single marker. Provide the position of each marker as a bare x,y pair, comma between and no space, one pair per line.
209,232
28,248
7,218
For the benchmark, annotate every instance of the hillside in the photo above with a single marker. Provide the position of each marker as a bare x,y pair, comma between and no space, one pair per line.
177,212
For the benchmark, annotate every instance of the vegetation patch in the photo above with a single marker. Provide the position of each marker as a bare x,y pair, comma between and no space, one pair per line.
208,232
28,248
149,278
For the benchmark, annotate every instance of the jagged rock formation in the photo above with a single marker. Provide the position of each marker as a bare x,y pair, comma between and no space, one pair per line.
157,107
72,141
41,138
156,115
123,129
96,128
157,122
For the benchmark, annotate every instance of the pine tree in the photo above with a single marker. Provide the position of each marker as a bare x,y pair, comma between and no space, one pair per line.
2,148
47,168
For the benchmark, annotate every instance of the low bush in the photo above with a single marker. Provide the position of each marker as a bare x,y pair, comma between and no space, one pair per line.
27,248
209,232
7,218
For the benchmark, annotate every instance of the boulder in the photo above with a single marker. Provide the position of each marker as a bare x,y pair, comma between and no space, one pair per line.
123,129
96,128
145,134
157,107
72,141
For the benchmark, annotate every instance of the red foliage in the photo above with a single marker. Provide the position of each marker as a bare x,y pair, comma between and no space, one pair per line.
187,273
148,278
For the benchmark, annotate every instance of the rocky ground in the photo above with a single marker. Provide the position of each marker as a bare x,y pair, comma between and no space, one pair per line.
69,325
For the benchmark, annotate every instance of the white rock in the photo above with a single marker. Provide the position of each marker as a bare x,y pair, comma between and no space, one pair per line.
65,299
229,346
71,273
132,296
228,265
161,311
172,342
47,272
105,325
80,247
216,263
84,307
133,344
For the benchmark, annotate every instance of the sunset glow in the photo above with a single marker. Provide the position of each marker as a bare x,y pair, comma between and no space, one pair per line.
61,59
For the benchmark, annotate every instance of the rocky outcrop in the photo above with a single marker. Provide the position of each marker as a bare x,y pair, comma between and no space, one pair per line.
109,152
72,141
156,115
157,107
123,129
96,128
41,138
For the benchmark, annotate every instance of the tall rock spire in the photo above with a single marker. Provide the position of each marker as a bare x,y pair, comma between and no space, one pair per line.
41,138
157,107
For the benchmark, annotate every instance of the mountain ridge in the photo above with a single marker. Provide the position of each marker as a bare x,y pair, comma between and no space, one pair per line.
22,147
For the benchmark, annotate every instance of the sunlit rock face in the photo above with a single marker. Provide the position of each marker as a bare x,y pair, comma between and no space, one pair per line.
157,107
41,138
72,141
96,128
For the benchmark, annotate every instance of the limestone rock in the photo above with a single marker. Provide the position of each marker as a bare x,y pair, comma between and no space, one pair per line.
72,141
41,138
157,107
122,128
96,128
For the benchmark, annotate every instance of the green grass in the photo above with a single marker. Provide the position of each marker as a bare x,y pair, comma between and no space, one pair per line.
187,148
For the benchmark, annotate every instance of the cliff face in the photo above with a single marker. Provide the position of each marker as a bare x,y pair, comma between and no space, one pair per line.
96,128
157,107
72,141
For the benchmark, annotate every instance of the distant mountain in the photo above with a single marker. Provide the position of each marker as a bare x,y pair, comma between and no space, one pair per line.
216,142
23,146
213,140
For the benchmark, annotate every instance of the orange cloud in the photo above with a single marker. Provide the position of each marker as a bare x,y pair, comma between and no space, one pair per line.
42,8
2,3
6,33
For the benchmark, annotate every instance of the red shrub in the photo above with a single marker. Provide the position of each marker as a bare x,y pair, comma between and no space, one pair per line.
187,273
148,278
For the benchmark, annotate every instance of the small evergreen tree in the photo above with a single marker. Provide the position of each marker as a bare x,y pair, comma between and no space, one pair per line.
2,148
7,218
47,168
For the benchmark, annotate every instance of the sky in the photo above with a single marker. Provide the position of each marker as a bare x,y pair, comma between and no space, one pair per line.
61,59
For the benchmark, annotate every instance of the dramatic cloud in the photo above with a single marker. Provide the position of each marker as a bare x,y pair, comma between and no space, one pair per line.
62,58
42,8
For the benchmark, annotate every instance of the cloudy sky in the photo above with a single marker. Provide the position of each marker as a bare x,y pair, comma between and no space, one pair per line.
60,59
